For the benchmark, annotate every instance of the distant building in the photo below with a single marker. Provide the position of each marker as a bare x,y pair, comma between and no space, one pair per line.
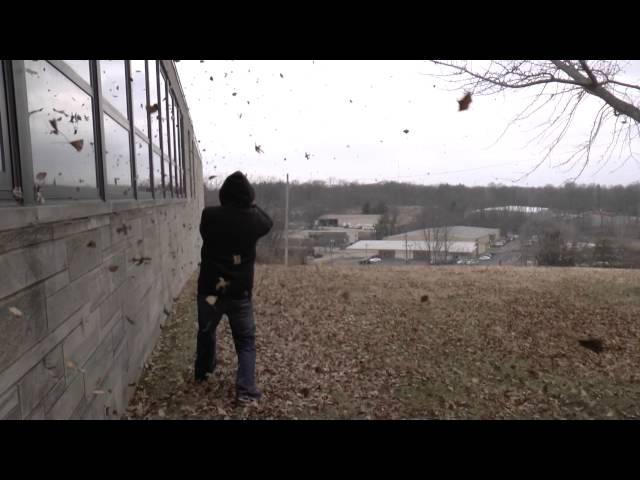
416,249
484,237
513,209
361,222
329,238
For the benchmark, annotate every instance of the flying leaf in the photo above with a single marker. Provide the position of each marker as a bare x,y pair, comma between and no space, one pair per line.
15,312
212,177
258,148
211,300
281,76
77,144
307,155
222,284
593,344
464,103
91,244
233,94
17,194
406,130
152,108
41,176
54,125
211,78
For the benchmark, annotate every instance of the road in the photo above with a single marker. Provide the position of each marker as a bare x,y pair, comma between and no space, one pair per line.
510,254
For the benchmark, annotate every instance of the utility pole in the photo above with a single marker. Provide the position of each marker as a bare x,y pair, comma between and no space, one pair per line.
286,223
406,250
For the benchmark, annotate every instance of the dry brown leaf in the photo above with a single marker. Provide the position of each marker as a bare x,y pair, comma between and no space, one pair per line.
77,144
463,104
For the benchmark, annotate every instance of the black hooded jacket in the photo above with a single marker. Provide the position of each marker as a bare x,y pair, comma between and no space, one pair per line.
229,236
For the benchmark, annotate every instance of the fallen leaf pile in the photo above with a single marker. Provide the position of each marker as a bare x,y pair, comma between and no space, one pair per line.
414,342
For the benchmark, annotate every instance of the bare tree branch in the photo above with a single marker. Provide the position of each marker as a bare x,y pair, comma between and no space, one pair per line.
573,79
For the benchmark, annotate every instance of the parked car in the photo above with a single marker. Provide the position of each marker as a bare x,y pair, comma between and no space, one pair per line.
367,261
484,258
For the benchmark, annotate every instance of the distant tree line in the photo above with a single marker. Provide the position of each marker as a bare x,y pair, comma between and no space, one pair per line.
443,204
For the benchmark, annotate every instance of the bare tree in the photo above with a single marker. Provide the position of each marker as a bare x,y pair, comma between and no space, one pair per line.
563,84
437,243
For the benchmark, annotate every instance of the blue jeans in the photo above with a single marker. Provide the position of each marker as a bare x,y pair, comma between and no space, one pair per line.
243,328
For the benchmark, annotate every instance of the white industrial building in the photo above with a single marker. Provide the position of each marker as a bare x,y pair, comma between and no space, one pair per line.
481,236
415,249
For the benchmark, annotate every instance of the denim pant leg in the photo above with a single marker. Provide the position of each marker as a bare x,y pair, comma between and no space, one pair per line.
208,318
243,328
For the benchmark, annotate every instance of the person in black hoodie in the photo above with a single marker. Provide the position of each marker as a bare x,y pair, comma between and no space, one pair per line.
229,236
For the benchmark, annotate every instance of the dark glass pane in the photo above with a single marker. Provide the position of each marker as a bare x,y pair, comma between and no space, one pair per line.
142,168
81,67
169,124
114,86
139,95
163,112
117,159
157,176
153,103
61,127
167,179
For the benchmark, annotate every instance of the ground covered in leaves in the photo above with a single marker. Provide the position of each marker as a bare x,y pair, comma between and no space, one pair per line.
376,342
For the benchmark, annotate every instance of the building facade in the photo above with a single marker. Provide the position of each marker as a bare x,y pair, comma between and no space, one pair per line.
433,251
100,200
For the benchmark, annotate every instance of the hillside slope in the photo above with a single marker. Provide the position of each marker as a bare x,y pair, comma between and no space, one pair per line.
416,342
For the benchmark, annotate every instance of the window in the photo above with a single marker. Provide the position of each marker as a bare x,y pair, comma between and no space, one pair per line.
81,67
181,155
163,112
117,159
143,180
180,188
113,79
154,102
6,183
157,175
139,95
62,137
170,143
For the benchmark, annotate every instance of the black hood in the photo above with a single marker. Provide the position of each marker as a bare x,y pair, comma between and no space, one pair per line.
237,191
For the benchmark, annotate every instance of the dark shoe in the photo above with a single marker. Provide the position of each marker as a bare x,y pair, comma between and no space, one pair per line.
201,377
246,399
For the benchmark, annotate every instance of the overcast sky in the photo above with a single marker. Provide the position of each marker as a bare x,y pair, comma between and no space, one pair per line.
350,116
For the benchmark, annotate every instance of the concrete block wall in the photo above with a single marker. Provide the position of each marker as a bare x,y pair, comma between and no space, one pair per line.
81,304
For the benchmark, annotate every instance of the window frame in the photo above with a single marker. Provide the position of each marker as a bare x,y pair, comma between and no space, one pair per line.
17,152
116,115
24,131
7,178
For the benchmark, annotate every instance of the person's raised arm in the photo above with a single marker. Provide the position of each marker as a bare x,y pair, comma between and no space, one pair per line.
263,221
